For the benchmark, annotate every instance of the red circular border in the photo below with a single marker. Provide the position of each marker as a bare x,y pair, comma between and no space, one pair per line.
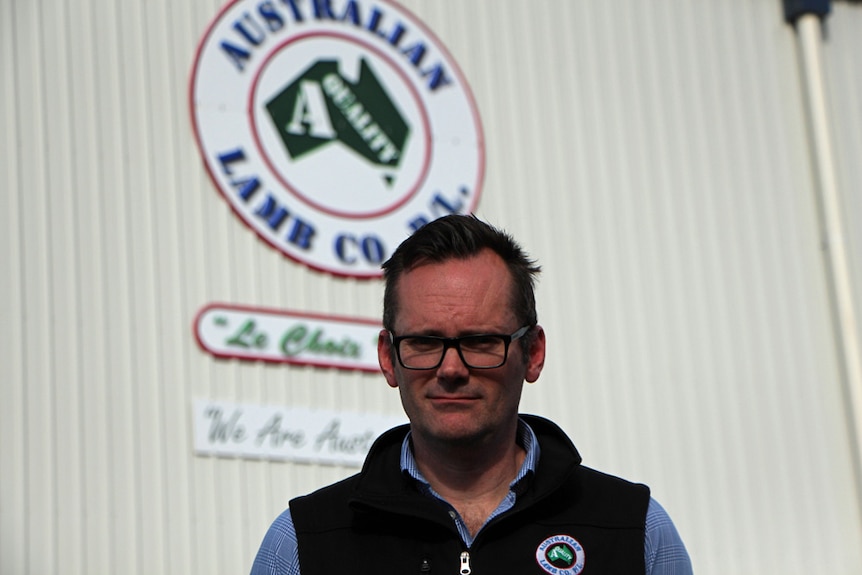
293,189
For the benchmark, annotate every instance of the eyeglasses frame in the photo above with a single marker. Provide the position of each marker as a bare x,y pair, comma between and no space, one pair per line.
456,343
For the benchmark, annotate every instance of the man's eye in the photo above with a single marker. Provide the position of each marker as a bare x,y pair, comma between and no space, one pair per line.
481,343
421,344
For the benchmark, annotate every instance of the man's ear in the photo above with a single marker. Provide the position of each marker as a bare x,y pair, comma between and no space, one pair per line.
386,357
535,355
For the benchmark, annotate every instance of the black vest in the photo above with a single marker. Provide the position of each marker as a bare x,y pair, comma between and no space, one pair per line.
567,517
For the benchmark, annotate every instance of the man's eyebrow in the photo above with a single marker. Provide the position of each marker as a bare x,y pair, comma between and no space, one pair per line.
424,333
439,333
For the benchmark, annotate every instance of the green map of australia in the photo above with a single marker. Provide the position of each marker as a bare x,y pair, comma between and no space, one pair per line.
321,106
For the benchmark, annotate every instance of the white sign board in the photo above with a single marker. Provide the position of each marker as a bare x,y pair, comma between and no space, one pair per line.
334,129
287,433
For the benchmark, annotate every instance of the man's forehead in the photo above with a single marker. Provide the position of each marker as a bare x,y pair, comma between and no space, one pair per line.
457,284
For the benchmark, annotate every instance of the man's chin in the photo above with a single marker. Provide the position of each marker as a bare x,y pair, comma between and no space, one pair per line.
462,432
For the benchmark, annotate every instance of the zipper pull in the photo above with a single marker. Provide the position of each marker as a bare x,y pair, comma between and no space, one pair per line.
465,563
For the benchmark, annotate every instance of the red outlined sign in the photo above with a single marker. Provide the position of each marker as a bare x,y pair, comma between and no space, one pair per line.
258,334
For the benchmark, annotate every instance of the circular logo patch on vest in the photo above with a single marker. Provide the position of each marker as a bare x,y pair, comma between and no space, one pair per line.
560,555
334,129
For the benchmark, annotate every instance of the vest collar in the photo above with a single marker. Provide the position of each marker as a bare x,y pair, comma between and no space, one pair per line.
380,488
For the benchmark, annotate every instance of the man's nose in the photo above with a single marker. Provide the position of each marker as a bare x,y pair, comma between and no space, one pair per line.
452,364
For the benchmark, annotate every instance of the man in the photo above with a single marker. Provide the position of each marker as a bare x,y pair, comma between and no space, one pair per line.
470,486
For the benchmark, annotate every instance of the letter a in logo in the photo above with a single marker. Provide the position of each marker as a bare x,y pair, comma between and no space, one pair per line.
310,116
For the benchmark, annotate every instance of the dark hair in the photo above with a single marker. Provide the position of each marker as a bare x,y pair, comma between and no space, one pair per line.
461,237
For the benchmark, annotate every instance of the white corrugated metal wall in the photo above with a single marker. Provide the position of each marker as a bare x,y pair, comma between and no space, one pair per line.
653,156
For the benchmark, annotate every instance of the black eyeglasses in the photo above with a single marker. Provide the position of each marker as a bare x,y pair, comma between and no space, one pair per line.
481,351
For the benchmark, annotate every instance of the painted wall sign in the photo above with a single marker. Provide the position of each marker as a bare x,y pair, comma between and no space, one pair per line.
288,337
334,129
281,433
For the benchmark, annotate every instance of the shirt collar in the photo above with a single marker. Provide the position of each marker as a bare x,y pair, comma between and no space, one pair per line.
526,438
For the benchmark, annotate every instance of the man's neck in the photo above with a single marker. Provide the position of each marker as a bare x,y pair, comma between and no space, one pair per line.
473,479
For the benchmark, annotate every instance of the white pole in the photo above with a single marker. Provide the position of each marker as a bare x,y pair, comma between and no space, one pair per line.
847,325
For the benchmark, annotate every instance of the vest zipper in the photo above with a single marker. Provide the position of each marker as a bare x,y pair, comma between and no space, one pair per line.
465,563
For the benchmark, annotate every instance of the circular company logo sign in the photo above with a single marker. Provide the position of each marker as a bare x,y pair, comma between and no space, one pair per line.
334,128
561,555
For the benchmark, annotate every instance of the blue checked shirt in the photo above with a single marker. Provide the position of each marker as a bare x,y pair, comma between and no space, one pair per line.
664,551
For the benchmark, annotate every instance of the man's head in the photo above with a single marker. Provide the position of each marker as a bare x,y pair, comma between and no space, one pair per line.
461,237
458,293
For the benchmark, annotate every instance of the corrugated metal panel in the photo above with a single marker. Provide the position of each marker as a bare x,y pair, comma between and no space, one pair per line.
844,90
652,156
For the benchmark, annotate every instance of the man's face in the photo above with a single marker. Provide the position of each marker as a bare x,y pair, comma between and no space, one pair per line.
453,403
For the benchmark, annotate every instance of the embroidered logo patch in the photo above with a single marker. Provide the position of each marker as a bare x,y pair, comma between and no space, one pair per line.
560,555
